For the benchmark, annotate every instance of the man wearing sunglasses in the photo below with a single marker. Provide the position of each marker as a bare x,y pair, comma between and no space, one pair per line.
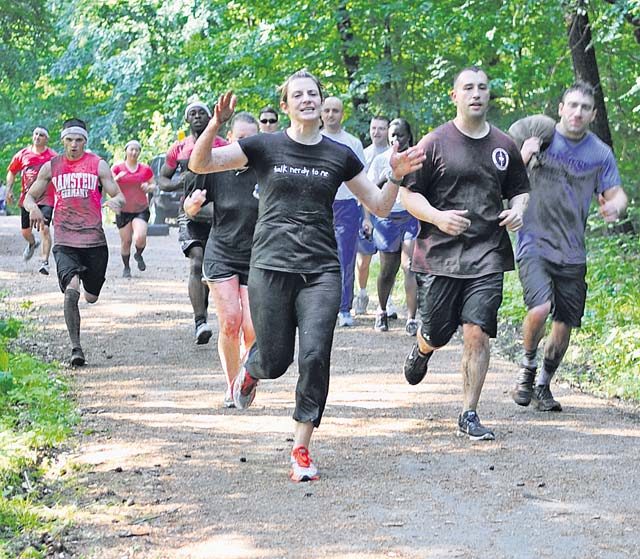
268,120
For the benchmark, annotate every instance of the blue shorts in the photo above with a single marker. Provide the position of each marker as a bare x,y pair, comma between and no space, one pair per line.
390,232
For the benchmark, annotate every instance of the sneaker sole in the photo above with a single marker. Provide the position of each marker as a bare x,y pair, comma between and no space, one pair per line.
520,400
485,437
77,361
303,478
540,407
43,272
141,265
204,337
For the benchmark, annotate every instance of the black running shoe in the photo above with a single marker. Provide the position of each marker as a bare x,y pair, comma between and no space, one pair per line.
523,390
141,264
469,425
77,357
543,399
415,365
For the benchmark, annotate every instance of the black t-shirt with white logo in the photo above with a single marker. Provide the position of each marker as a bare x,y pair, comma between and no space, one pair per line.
463,173
298,184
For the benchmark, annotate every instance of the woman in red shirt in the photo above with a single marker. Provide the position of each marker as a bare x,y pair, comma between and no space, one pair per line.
135,181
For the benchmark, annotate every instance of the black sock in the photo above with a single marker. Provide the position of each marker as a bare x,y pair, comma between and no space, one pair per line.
72,315
125,259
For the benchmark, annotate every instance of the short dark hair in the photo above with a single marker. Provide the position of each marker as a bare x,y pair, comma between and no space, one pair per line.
243,116
74,122
472,68
581,86
405,124
268,110
381,117
304,73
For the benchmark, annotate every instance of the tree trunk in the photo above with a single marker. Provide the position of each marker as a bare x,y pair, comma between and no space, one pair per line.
359,96
585,65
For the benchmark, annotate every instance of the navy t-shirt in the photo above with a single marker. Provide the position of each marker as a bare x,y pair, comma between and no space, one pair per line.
298,184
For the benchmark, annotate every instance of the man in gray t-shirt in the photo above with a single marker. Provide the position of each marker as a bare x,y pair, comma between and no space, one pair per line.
550,248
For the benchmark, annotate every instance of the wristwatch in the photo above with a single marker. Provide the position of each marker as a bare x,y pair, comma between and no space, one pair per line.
394,180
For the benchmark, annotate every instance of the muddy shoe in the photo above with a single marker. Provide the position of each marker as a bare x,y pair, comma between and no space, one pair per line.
543,399
523,390
77,357
415,365
469,425
141,264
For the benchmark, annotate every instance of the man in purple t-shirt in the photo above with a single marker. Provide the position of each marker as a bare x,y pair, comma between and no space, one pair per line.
551,250
463,247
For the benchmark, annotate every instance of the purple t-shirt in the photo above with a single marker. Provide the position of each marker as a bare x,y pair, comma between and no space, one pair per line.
562,188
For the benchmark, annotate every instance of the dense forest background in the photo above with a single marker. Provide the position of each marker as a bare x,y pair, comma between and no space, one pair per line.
128,67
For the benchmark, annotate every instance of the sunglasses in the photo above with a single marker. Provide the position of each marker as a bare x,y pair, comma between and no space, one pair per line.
268,120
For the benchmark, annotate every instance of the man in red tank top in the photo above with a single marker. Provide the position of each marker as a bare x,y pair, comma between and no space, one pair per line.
193,232
28,162
80,248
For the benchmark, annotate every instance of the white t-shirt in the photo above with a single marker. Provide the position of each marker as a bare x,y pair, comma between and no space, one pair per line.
350,140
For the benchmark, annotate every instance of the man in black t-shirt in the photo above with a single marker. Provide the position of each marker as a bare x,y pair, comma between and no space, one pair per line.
463,248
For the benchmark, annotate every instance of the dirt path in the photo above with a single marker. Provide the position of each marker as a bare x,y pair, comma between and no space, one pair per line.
166,472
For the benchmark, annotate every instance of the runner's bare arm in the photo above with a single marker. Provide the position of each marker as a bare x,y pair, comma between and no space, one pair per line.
117,200
206,160
38,188
380,201
613,203
512,218
194,202
11,178
451,222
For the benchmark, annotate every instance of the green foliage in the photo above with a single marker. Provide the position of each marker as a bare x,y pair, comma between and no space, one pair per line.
35,415
604,354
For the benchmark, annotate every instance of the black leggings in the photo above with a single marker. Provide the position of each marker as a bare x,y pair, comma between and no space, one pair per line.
280,302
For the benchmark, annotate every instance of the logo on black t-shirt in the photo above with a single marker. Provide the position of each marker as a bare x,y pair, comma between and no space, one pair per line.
500,159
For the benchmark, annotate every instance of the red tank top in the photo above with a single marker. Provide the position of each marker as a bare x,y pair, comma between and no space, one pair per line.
77,214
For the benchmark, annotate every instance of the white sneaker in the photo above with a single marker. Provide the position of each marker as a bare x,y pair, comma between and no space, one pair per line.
361,303
203,333
228,399
411,327
44,268
28,251
345,319
302,467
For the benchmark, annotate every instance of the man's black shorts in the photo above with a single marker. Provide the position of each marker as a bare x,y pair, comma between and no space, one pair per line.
47,213
124,218
562,285
444,303
90,264
192,233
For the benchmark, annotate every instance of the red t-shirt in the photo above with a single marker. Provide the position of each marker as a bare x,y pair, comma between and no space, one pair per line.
29,162
131,186
77,212
181,150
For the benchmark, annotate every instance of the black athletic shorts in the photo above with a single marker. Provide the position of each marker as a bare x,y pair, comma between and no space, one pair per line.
444,303
47,213
562,285
90,264
215,270
124,218
192,233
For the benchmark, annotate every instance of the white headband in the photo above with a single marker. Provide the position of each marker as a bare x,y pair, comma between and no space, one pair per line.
194,105
74,130
41,131
132,143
